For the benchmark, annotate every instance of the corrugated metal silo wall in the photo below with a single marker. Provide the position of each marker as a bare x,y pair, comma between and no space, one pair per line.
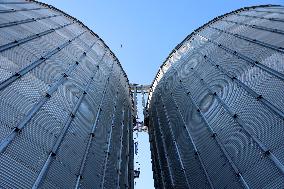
65,108
216,114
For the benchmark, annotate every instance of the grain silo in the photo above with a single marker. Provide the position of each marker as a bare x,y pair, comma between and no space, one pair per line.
216,106
65,107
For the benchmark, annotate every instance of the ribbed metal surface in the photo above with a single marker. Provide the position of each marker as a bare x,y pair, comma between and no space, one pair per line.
216,106
65,107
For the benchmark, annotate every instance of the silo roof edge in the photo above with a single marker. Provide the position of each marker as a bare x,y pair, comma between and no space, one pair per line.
188,37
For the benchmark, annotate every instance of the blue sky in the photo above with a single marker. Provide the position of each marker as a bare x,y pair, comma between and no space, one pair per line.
148,31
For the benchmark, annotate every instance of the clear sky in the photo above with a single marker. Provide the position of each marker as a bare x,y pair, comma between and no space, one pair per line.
148,31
